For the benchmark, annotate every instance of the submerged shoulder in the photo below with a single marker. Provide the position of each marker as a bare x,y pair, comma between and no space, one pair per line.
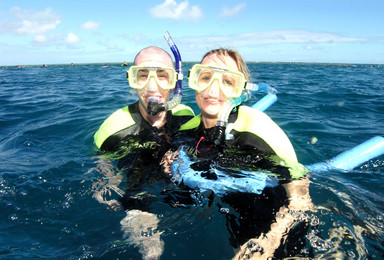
258,123
191,124
120,116
118,120
182,110
249,117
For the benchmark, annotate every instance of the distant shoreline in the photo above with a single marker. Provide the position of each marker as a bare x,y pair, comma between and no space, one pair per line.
250,62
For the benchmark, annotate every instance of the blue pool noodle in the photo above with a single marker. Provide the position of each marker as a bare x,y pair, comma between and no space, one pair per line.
265,102
352,158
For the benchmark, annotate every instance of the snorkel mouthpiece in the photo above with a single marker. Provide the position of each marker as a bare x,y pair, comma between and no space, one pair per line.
155,108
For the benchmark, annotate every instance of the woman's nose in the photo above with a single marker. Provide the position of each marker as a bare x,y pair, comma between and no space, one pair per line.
214,89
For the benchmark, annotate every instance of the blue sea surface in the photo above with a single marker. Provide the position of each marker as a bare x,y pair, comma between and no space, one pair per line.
48,166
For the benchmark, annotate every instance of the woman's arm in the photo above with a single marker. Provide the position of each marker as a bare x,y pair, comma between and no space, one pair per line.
265,245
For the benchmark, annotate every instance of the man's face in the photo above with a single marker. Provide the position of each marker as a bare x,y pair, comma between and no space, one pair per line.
152,89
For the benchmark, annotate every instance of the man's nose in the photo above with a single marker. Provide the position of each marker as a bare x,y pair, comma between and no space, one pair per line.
152,85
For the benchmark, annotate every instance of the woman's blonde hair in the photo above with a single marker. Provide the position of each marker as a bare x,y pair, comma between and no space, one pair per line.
235,55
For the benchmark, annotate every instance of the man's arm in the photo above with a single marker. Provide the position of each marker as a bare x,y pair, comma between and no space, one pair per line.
110,181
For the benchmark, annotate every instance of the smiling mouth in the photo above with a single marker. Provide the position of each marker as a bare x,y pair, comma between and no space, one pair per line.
212,100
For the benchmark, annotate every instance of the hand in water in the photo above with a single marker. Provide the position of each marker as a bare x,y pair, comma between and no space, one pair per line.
168,158
107,186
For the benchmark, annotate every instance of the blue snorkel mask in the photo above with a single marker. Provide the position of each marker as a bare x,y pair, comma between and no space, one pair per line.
153,106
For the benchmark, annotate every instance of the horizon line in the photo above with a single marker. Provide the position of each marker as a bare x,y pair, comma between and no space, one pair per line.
249,62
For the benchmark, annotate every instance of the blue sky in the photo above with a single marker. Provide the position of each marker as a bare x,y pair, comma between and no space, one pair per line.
85,31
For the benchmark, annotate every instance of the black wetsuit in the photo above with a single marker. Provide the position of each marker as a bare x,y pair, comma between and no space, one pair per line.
248,215
139,148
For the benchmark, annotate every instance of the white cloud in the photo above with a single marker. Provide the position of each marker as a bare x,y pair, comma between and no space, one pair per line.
72,38
48,39
295,36
226,12
90,25
138,37
40,38
30,21
170,9
270,37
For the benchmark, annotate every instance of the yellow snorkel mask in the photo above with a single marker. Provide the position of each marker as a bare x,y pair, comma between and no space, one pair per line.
139,76
232,83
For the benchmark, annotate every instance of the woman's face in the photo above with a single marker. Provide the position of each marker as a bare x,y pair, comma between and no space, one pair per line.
212,99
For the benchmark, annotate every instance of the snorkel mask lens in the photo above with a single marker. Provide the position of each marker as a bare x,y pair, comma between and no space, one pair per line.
231,82
139,76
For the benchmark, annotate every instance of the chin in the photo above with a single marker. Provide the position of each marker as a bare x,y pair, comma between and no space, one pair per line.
213,107
143,103
212,113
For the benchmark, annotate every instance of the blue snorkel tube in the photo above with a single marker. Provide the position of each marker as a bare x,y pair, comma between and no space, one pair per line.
250,90
153,106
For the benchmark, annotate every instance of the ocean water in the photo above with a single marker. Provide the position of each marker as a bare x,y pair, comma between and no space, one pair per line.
48,167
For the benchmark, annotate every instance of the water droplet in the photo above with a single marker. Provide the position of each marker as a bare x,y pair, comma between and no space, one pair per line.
13,217
224,210
28,143
315,221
